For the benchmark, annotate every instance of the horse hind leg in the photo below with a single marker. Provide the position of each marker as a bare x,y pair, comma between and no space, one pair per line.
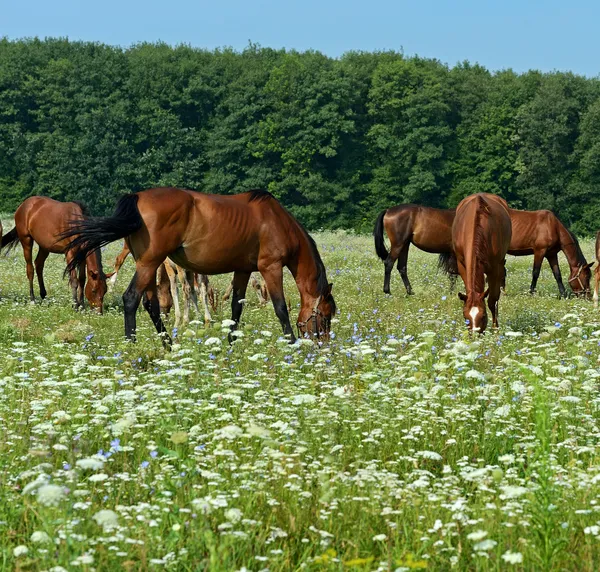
402,262
27,244
40,259
538,258
239,286
143,282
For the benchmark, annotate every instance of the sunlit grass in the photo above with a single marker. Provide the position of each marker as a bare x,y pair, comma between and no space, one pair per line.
403,444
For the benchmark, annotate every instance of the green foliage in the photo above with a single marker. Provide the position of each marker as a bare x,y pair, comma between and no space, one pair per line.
336,140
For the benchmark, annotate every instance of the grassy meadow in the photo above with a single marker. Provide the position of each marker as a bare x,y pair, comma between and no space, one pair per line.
403,444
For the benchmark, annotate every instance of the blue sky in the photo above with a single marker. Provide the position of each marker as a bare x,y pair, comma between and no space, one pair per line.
518,34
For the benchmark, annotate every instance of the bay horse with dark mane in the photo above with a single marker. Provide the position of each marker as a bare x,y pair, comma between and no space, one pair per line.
540,233
427,228
213,234
481,235
41,220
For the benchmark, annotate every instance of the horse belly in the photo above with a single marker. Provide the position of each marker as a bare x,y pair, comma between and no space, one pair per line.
435,241
214,261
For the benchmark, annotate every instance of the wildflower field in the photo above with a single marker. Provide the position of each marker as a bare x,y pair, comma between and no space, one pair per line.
404,443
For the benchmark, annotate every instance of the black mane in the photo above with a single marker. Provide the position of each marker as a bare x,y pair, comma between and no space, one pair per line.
260,195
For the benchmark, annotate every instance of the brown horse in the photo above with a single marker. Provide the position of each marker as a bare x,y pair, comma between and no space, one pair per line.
481,234
41,220
427,228
540,233
213,234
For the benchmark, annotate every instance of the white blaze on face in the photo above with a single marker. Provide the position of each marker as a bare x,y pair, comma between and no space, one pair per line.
473,313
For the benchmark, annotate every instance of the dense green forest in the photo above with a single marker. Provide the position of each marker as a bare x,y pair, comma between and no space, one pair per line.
336,140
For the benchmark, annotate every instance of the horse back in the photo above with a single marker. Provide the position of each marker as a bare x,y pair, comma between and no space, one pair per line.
43,219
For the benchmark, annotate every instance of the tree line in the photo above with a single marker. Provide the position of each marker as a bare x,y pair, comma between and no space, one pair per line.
335,139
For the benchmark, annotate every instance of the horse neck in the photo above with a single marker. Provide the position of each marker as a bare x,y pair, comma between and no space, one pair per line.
305,271
474,264
93,262
570,248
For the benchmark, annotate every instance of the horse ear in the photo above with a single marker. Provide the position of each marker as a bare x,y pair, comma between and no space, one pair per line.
110,274
329,288
462,296
590,264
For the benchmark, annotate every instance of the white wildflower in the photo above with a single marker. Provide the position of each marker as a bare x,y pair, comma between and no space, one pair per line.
40,537
512,557
50,495
91,463
20,550
107,519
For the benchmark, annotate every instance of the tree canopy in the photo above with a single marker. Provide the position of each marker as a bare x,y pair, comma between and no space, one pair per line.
336,140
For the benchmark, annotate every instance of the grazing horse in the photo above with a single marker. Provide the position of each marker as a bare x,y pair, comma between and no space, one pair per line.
427,228
213,234
481,234
190,281
540,233
41,220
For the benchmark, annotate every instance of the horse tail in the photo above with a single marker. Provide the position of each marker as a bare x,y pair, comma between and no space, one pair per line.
448,264
378,235
90,234
10,240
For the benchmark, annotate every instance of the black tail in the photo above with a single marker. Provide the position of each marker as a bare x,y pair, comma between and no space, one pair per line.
448,264
378,235
89,234
10,240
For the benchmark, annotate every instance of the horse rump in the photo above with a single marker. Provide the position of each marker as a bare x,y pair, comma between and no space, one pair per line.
87,235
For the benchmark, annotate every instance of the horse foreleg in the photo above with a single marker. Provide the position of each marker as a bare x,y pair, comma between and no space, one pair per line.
402,260
228,291
119,261
204,285
273,276
40,259
553,261
538,258
73,281
495,282
189,294
81,284
27,244
172,274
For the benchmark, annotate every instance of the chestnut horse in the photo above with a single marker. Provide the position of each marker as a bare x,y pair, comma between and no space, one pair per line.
41,220
481,234
213,234
427,228
540,233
